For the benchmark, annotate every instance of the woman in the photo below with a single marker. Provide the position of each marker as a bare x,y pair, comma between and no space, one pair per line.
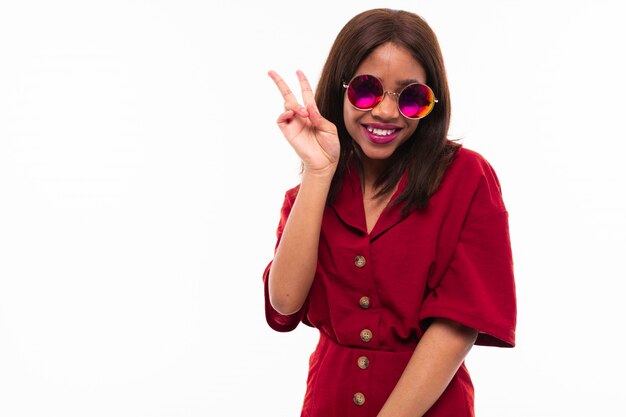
395,245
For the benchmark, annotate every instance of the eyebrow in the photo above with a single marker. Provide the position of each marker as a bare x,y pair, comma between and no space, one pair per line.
407,82
404,83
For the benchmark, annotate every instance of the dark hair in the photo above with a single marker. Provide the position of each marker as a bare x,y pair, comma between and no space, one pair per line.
428,153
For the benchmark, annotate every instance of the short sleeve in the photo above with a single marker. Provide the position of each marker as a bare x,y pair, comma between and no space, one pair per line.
477,288
277,321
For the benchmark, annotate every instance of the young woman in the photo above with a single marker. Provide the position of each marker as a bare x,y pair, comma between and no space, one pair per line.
395,245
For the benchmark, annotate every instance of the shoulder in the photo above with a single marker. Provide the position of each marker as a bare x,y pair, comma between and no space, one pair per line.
472,163
290,198
469,166
291,194
471,178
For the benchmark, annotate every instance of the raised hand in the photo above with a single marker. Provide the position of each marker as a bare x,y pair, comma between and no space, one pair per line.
313,137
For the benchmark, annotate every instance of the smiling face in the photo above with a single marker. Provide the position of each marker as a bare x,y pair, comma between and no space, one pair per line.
380,131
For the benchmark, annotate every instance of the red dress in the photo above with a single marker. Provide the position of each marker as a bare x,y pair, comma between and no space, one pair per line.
374,295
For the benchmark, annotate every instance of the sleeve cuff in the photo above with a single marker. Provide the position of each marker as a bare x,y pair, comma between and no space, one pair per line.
489,334
275,320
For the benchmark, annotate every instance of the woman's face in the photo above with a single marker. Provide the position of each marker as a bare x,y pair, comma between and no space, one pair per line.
380,131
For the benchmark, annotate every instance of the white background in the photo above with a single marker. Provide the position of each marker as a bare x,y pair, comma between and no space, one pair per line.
141,177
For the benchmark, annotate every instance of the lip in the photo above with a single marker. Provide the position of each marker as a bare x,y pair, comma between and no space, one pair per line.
381,140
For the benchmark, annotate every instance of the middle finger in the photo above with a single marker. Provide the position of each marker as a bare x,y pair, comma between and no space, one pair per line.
290,98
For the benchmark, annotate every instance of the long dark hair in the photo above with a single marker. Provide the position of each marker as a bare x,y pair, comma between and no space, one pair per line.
428,153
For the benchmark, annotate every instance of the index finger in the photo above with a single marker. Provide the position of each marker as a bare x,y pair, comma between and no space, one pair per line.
307,92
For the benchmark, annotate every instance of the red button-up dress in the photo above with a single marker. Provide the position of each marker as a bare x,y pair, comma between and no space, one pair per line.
374,295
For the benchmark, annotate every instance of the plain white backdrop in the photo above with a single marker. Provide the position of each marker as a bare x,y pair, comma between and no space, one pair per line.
141,177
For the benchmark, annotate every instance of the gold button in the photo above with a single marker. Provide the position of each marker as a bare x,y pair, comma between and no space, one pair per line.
364,302
359,398
359,261
363,362
366,335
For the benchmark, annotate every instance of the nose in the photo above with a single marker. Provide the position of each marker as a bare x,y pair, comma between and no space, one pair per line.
387,109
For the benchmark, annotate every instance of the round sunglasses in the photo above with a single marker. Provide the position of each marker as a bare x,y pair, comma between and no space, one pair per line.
366,91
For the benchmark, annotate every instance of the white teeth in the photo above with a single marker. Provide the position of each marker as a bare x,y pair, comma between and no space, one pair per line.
380,132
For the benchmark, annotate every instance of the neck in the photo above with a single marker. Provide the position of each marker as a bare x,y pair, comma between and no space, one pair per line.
372,169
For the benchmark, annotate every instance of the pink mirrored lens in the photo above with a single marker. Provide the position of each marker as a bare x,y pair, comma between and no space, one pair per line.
416,101
365,92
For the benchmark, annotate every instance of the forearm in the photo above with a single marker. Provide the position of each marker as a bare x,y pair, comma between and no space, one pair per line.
295,260
437,357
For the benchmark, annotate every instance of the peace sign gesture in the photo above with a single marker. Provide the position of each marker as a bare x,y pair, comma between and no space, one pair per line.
313,137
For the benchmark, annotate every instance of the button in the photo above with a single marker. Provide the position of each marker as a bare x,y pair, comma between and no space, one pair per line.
363,362
359,398
364,302
359,261
366,335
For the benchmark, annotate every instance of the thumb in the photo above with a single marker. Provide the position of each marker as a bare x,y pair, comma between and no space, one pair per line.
318,120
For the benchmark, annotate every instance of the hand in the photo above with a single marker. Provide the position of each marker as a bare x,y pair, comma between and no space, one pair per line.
313,137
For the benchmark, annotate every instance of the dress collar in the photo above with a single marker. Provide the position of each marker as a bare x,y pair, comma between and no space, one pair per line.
349,205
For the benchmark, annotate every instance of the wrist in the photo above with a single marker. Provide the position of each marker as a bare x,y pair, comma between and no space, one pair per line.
324,174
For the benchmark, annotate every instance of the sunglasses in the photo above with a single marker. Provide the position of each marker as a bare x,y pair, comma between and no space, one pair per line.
366,91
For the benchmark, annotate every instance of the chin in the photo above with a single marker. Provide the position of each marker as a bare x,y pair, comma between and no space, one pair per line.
374,154
378,156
